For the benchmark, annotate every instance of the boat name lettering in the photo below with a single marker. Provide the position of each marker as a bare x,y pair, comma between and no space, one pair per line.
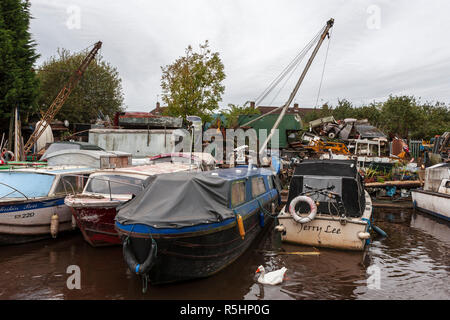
8,209
24,215
328,229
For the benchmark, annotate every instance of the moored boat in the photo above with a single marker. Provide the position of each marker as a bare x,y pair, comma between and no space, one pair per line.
95,208
191,225
434,198
30,198
327,206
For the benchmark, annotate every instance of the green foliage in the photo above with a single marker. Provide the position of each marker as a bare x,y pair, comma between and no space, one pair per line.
400,115
234,111
19,86
192,85
99,89
403,116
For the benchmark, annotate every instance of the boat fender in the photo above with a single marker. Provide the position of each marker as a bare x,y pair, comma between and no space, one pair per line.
74,223
240,223
379,231
312,207
280,228
363,235
54,223
132,262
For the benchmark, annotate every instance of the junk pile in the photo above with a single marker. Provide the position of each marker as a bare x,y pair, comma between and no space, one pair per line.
342,137
388,167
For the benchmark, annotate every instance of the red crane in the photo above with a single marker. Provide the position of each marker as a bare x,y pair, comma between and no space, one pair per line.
61,98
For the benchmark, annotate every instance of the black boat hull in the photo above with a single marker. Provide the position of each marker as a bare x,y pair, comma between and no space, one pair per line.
198,254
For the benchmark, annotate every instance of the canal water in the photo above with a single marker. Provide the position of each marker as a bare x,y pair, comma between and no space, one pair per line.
413,262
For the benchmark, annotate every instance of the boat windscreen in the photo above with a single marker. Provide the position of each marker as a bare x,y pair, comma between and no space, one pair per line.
119,184
29,184
338,168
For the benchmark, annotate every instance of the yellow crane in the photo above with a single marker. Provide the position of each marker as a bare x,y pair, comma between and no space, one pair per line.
61,98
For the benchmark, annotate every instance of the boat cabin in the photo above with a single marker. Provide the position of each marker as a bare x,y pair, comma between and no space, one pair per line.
335,184
30,183
127,181
184,199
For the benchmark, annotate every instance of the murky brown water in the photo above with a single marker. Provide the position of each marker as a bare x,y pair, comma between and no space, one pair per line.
412,263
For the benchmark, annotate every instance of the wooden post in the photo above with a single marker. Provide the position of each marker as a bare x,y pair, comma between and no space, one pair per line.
11,130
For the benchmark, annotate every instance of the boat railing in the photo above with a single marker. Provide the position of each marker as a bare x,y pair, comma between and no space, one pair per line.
13,190
100,179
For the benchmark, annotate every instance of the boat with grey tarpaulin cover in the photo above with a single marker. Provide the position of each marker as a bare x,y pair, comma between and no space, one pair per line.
189,225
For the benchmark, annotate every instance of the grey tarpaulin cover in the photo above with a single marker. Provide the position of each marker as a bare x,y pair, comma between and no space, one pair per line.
178,200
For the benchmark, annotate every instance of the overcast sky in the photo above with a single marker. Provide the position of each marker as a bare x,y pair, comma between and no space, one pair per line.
377,48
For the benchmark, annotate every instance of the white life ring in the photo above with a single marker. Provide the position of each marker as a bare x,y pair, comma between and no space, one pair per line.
312,206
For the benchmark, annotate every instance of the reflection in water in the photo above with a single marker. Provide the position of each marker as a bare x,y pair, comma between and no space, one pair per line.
413,263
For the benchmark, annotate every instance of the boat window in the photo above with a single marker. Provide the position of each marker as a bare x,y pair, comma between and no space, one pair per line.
70,184
270,182
258,186
119,184
447,184
237,193
30,184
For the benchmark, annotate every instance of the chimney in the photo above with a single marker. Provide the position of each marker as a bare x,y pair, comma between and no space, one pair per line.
296,107
157,105
252,104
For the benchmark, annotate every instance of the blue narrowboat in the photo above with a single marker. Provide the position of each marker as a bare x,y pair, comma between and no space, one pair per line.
189,225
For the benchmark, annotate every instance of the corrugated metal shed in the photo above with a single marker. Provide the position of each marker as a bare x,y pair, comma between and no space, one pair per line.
140,143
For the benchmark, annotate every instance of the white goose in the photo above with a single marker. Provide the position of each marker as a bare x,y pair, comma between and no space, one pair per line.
273,277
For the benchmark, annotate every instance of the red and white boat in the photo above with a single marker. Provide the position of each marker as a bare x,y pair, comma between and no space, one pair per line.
95,208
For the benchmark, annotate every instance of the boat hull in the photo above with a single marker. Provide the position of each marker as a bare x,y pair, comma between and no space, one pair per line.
436,204
25,221
327,231
190,255
97,225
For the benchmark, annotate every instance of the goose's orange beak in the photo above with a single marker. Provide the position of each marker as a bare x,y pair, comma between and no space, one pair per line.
257,271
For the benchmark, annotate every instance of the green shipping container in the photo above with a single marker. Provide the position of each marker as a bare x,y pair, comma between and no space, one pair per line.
288,125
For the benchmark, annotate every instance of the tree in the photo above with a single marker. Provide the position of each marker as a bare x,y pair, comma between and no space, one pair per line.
192,85
100,87
19,86
234,111
400,115
343,110
434,120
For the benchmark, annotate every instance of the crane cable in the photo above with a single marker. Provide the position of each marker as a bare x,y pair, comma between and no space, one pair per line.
323,70
288,69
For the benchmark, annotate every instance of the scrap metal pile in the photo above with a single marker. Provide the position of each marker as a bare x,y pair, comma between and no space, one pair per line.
326,135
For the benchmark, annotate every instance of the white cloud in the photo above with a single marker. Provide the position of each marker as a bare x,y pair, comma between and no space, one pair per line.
408,54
